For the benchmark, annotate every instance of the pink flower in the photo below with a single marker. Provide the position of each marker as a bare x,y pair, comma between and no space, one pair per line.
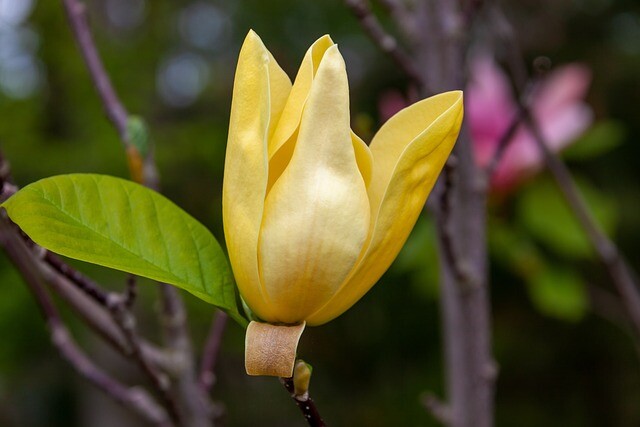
557,105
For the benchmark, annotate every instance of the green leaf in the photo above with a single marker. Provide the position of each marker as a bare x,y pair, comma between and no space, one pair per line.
122,225
559,293
514,248
601,138
546,215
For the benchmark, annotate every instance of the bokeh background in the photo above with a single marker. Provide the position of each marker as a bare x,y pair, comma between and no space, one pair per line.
565,353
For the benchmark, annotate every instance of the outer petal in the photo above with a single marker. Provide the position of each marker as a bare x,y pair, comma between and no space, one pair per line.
409,151
317,214
257,79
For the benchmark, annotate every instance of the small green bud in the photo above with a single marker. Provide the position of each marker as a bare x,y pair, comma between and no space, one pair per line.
301,378
138,135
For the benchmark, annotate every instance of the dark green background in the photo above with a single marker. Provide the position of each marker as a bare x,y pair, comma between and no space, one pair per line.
561,364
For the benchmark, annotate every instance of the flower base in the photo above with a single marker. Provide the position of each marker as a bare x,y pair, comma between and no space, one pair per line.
271,349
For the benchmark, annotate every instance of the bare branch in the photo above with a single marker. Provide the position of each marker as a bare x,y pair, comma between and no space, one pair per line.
305,403
193,402
127,323
212,350
622,275
503,143
437,408
86,298
87,285
386,42
460,269
77,16
130,291
439,31
394,7
135,399
196,407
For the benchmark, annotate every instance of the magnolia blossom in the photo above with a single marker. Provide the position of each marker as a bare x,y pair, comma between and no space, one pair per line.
557,105
312,215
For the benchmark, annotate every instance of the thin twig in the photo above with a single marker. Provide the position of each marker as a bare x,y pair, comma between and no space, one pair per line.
385,41
87,285
96,315
130,291
86,298
133,345
437,408
136,399
117,114
305,403
504,30
503,143
194,403
197,408
394,7
160,381
623,276
212,350
621,273
450,252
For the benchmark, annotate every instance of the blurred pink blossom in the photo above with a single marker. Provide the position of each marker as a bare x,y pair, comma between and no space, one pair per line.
557,105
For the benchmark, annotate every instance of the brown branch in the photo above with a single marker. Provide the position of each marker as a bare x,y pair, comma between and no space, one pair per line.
448,242
394,7
305,403
84,296
117,114
621,273
623,277
85,284
440,35
127,323
470,371
437,408
385,41
197,409
130,292
97,316
135,399
122,334
194,404
503,143
503,29
212,350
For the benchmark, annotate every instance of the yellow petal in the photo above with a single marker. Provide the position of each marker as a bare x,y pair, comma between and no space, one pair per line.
409,151
317,214
363,157
258,79
282,139
279,90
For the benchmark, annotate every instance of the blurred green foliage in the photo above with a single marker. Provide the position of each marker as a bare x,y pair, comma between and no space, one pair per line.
562,362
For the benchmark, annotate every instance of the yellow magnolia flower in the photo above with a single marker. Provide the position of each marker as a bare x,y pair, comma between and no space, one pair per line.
312,215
